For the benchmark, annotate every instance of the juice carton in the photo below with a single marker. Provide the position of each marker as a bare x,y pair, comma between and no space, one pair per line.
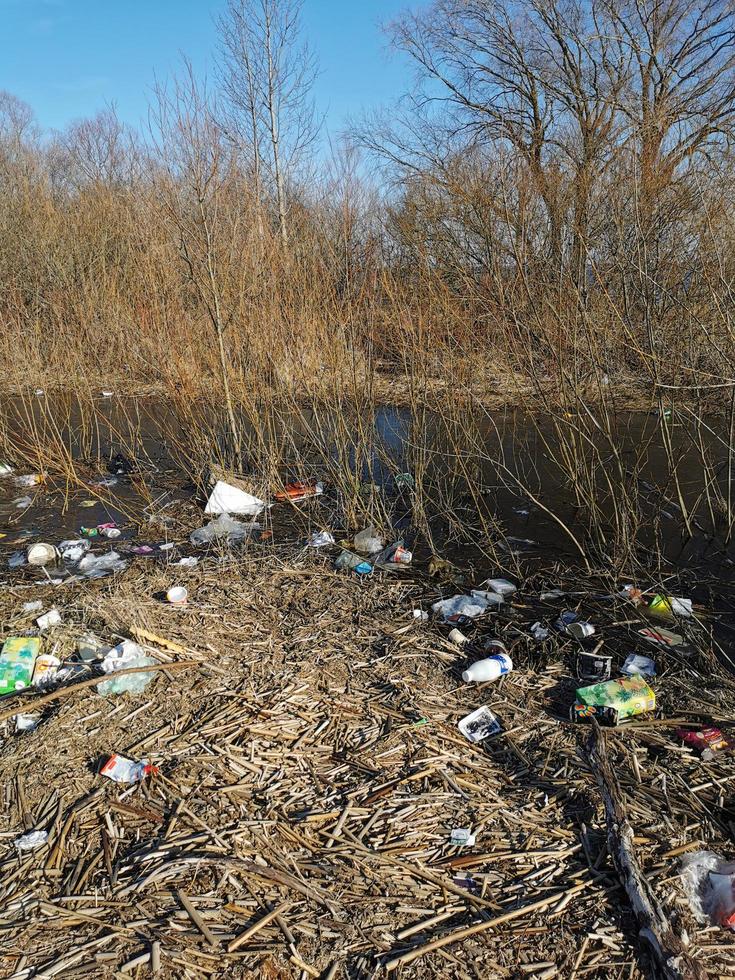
17,660
614,700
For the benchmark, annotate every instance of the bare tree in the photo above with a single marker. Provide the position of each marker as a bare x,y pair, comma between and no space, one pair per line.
268,75
197,187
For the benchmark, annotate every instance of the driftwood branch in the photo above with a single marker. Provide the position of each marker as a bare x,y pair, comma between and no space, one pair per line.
668,953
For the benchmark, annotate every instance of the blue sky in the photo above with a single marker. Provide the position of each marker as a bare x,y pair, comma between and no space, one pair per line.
69,58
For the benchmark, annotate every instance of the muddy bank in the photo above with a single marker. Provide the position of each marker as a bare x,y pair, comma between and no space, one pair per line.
310,774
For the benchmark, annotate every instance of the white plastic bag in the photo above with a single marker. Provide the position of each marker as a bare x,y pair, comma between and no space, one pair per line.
125,655
97,566
226,499
368,541
224,528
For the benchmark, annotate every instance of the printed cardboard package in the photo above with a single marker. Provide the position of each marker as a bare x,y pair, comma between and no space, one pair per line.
17,661
614,701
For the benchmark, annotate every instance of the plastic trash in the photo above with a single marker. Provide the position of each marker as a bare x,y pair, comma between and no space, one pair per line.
26,721
709,884
122,770
320,539
300,490
17,660
30,480
190,562
636,664
125,655
404,480
593,668
368,541
88,532
396,554
347,561
35,606
539,632
97,566
45,672
614,701
74,550
109,530
5,469
177,595
420,614
580,631
41,554
489,669
472,605
226,499
632,594
670,606
17,559
462,837
22,503
49,619
707,741
502,586
168,546
31,841
479,725
225,529
458,638
661,636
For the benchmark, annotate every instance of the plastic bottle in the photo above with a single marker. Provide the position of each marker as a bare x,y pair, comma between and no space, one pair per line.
353,563
489,669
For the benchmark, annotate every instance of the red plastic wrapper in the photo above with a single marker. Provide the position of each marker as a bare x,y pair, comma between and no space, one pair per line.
707,741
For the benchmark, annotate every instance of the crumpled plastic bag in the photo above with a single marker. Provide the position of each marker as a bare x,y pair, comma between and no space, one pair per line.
74,550
368,541
226,499
709,885
320,539
97,566
125,655
224,528
472,605
31,840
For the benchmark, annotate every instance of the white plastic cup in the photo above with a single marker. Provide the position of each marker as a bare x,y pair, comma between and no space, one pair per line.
489,669
177,595
110,532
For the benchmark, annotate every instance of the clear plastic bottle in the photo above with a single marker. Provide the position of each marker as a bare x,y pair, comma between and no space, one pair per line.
348,561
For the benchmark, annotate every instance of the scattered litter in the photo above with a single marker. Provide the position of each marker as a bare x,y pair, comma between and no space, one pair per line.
670,606
500,585
90,648
552,595
142,549
5,469
224,528
190,562
34,606
594,668
614,701
347,561
30,480
368,541
637,664
479,725
489,669
458,638
169,546
107,394
300,490
580,631
662,636
320,539
709,885
26,722
177,595
396,554
472,605
17,559
22,503
88,532
97,566
122,770
49,619
74,550
420,614
45,672
707,741
31,841
404,480
539,632
17,660
631,593
125,655
41,554
226,499
462,837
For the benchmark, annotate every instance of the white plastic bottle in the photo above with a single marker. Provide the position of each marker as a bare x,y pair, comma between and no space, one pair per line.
489,669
